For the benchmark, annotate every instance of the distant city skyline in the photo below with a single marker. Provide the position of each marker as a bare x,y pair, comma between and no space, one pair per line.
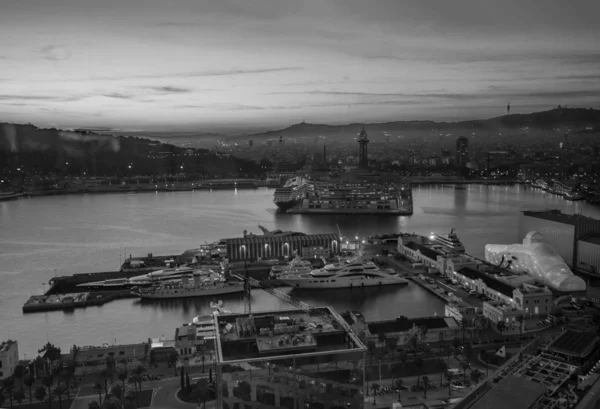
231,66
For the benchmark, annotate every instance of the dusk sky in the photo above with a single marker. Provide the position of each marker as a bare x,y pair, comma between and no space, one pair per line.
225,65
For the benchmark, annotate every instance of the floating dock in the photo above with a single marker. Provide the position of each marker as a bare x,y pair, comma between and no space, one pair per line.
38,303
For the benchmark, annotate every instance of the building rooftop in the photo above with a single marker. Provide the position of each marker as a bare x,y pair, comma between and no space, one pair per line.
556,215
283,332
492,283
511,392
100,353
575,343
426,251
309,239
403,324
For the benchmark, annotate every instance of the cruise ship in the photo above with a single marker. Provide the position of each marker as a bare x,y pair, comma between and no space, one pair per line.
449,241
357,198
348,274
292,192
186,288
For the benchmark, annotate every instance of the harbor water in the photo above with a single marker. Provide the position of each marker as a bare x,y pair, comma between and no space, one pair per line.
60,235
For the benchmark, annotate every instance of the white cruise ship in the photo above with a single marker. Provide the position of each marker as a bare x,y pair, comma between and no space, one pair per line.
449,241
343,275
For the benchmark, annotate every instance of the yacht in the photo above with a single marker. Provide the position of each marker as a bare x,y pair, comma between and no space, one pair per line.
198,287
111,284
168,274
296,266
344,275
449,241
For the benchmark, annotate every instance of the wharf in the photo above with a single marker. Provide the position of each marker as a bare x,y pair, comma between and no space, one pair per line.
38,303
432,288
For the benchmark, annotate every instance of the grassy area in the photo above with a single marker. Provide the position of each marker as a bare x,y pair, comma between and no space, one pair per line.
402,370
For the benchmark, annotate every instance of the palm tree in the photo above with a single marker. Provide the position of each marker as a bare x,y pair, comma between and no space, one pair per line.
520,319
443,369
375,388
93,405
40,393
400,383
19,374
137,377
59,391
48,381
2,399
464,325
98,387
449,377
107,374
19,396
476,375
9,385
173,359
419,364
465,367
201,392
426,384
381,338
67,375
123,375
28,381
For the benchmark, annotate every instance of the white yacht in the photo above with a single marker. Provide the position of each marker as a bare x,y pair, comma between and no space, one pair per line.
296,266
184,288
344,275
449,241
168,274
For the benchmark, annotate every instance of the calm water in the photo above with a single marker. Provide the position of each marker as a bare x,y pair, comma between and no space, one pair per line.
92,233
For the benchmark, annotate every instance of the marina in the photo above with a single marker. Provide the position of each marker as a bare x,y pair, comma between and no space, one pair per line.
73,244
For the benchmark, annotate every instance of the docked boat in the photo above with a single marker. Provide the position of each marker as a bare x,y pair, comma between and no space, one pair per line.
449,241
347,274
169,274
111,284
296,266
292,192
186,288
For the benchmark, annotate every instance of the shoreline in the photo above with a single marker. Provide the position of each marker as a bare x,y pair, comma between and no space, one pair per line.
218,186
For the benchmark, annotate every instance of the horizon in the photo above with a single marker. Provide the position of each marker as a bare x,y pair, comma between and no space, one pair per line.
232,67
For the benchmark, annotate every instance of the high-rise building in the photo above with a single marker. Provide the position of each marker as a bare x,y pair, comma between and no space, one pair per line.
363,141
462,152
289,359
251,143
9,358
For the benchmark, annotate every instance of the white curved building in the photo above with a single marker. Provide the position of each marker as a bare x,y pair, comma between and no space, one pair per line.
539,260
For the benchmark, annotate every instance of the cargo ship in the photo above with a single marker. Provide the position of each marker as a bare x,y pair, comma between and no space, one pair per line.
357,198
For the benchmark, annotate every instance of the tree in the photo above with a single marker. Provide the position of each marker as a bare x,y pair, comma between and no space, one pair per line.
123,375
419,364
19,374
28,381
2,399
371,346
98,388
93,405
117,391
426,384
51,352
413,338
66,375
107,374
137,378
173,359
468,351
443,368
476,375
19,396
399,384
8,384
465,366
188,386
456,343
40,393
464,325
202,390
375,388
520,319
381,338
449,377
48,381
59,391
182,380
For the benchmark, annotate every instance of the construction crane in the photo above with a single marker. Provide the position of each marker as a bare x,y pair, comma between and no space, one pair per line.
489,155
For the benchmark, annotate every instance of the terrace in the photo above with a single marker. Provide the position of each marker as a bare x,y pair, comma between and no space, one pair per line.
280,333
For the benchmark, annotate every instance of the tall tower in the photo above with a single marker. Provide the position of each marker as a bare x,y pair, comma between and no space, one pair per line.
462,152
363,141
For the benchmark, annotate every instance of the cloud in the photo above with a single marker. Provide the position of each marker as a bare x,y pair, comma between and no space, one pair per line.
55,53
118,96
224,107
9,97
169,89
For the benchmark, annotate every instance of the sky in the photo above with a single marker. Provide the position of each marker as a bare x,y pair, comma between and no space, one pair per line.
225,65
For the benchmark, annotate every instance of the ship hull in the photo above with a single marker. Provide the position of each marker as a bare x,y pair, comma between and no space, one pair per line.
318,284
285,206
192,293
394,212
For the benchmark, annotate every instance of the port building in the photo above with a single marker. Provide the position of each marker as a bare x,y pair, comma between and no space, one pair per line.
430,329
293,358
9,358
284,244
575,237
93,359
194,341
